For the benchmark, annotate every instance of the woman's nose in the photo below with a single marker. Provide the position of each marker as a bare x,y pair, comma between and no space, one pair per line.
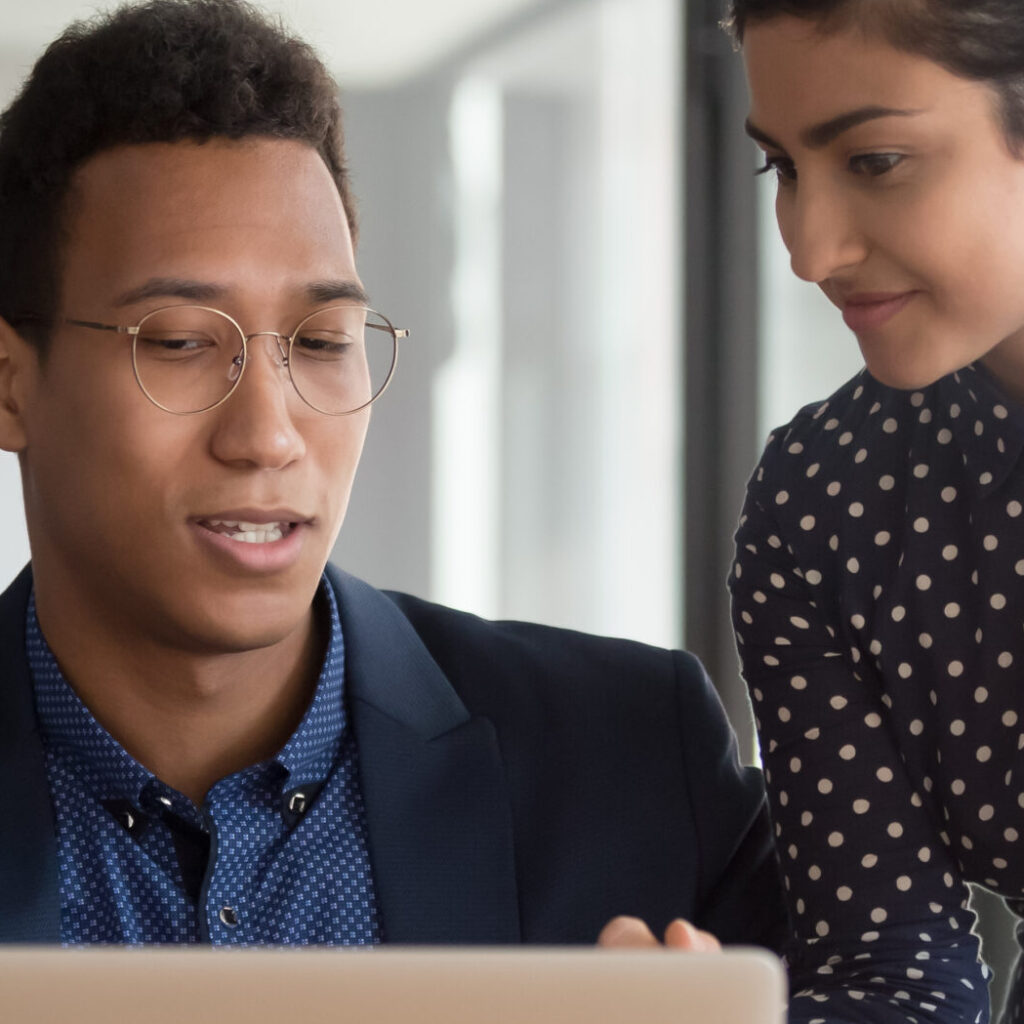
821,232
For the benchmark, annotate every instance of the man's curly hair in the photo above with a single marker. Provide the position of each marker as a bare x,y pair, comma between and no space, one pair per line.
161,71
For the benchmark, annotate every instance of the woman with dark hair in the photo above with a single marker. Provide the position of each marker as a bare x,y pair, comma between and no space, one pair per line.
878,588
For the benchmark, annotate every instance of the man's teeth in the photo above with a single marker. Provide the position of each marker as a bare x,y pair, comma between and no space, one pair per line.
249,533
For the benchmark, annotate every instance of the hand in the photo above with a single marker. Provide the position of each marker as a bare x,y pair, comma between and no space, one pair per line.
632,933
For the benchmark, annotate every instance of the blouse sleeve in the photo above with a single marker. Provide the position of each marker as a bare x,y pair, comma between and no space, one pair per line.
881,929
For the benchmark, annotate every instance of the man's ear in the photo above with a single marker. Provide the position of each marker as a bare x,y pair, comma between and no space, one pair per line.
19,368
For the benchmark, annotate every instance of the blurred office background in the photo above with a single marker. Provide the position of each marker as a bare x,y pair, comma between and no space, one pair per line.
557,199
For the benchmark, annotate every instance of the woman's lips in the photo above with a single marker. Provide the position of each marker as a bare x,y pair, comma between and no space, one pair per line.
868,312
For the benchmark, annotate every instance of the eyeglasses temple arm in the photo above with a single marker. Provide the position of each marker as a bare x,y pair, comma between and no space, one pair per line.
102,327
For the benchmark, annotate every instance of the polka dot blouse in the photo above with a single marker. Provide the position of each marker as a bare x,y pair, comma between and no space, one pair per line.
878,601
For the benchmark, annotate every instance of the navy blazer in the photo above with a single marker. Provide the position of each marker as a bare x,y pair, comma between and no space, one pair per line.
521,783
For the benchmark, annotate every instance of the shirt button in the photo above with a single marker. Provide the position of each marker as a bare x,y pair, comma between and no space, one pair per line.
229,917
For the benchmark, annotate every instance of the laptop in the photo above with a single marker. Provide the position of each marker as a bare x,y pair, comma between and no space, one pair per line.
388,986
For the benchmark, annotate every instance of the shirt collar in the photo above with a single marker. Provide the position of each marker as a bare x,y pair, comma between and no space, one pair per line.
112,773
67,725
988,427
313,747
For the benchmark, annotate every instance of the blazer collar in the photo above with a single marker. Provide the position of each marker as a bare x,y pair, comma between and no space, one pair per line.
387,665
433,783
29,878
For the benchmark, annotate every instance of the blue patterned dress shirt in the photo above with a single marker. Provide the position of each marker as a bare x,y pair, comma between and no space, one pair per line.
276,853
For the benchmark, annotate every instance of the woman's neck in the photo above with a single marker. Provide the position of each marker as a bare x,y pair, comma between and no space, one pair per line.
1006,364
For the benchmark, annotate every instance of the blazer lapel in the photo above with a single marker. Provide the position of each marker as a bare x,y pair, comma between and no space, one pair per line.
437,808
29,878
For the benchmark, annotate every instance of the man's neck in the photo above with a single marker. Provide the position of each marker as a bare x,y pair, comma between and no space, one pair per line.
190,718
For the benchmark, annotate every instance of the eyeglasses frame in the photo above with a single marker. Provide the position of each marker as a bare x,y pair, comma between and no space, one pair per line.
242,358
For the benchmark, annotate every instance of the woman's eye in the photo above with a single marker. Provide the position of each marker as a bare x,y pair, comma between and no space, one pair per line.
873,165
781,166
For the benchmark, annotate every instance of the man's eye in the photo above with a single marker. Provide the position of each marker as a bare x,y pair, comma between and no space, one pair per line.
873,165
328,345
781,166
175,342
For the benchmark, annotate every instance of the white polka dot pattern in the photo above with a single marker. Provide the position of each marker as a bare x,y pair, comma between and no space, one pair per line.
879,643
270,877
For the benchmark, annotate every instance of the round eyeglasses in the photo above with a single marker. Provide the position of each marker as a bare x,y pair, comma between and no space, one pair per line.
188,359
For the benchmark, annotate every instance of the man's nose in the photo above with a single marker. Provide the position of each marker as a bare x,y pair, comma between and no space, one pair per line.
821,232
257,425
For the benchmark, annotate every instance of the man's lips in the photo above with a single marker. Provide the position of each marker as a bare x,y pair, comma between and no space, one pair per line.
254,540
865,311
253,525
255,515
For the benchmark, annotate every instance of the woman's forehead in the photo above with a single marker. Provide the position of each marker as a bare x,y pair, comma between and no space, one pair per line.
799,77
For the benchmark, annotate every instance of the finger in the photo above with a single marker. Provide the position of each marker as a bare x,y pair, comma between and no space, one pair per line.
682,935
627,933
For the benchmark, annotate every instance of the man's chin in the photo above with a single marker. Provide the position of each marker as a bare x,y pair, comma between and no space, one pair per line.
204,610
221,637
234,624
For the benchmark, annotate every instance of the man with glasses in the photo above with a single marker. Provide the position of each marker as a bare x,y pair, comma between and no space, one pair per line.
205,736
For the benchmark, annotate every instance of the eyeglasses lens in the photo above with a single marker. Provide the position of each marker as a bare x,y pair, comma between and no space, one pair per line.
342,358
188,358
185,357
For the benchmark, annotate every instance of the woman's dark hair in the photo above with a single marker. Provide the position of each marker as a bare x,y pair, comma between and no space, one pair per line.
162,71
982,40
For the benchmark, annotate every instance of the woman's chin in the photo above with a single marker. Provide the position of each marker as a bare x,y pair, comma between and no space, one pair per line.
908,377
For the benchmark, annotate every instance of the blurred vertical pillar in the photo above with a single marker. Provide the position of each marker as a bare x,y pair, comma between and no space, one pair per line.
720,365
398,149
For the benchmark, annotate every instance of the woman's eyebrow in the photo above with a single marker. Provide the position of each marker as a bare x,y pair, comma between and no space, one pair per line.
759,136
820,135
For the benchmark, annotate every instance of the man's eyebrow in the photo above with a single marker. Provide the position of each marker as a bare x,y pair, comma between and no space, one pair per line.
169,288
820,135
332,291
204,291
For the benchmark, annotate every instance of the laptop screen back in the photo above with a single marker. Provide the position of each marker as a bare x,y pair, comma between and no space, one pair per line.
388,986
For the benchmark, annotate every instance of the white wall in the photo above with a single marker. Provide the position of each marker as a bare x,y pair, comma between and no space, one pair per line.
14,548
557,458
